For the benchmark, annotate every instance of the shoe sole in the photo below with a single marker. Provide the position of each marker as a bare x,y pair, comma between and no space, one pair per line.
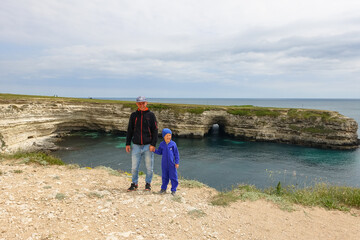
132,190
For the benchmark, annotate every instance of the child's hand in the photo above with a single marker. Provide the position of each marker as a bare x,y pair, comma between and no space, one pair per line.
152,148
176,165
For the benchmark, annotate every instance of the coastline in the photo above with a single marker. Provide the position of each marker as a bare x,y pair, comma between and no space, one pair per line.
66,202
32,122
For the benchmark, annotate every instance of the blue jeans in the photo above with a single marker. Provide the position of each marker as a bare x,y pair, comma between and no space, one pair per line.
138,152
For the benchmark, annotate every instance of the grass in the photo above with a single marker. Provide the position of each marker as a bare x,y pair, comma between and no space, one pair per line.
225,198
320,195
242,110
311,115
196,213
255,111
188,183
60,196
94,195
323,195
177,198
182,108
35,157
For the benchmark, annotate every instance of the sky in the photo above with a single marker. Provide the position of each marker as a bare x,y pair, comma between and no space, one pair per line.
181,48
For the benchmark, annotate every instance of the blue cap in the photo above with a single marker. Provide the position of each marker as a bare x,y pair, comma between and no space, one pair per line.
166,131
141,99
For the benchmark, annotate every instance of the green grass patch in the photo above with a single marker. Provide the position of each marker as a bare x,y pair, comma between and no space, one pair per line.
132,106
196,213
254,111
311,115
320,195
240,112
190,183
177,198
158,106
324,195
94,195
73,166
36,157
60,196
197,110
225,198
242,106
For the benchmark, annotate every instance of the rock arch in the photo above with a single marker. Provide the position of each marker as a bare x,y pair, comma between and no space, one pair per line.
218,123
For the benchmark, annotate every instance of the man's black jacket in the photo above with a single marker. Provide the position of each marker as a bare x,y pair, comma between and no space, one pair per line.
142,128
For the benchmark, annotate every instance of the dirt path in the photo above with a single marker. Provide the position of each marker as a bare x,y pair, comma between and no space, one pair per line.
54,202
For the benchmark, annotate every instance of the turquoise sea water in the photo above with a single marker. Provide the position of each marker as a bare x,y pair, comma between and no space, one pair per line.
222,162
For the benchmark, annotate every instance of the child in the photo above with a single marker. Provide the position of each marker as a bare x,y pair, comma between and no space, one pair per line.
169,162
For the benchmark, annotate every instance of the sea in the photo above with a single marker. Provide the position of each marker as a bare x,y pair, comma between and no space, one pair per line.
222,162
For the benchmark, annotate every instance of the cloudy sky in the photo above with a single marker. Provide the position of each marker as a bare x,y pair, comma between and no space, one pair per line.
181,48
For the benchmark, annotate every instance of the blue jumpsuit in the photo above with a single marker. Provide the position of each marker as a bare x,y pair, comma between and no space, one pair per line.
170,157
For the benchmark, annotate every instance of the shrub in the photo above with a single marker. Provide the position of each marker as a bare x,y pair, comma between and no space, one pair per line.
191,183
94,195
60,196
158,106
322,195
224,198
38,158
331,197
176,198
255,111
311,115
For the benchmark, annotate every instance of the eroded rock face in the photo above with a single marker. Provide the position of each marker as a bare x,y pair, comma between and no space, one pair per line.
35,124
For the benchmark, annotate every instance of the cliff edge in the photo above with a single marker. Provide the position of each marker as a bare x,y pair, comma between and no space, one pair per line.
34,122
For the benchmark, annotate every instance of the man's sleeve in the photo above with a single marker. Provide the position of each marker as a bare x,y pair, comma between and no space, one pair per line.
130,130
154,131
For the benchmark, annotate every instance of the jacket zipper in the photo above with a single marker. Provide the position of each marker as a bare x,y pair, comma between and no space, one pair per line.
141,128
149,132
135,124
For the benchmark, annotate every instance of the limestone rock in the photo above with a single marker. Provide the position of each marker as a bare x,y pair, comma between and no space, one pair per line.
33,124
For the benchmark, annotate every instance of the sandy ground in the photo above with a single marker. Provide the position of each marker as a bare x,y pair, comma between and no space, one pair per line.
38,202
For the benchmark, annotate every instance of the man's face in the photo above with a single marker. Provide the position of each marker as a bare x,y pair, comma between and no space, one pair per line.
141,105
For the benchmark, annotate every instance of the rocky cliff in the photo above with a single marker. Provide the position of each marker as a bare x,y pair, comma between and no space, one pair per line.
31,123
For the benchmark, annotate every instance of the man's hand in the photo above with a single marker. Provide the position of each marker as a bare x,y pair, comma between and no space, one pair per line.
152,148
128,148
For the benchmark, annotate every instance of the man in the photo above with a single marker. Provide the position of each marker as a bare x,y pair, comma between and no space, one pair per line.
143,132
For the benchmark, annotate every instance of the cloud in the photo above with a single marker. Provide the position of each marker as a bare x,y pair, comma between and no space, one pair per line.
226,46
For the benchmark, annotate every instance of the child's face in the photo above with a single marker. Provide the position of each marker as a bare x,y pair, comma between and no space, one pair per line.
167,138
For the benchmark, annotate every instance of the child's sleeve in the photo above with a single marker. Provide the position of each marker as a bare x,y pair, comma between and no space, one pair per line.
159,150
176,154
